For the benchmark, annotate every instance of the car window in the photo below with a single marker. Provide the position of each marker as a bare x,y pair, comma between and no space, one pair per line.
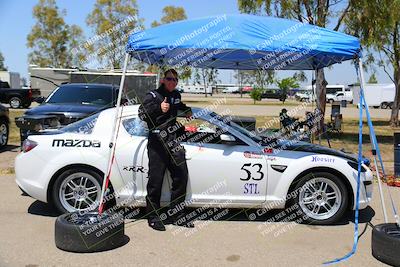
201,131
135,126
98,96
84,126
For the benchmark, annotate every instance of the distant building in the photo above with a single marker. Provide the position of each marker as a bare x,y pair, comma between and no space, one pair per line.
137,84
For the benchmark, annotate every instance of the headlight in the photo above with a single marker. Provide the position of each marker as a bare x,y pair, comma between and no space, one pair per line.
54,123
38,127
354,165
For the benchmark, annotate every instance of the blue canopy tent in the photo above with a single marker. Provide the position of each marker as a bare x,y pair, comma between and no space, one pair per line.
243,42
246,42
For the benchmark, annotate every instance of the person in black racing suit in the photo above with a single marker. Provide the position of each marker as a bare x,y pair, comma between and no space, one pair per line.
159,109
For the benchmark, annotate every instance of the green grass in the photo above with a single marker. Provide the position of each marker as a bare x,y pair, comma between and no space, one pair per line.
14,130
245,100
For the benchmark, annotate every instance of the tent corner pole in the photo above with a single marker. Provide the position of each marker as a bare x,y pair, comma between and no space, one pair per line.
111,152
362,86
158,77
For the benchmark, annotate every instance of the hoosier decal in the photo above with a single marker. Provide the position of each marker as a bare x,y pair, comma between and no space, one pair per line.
322,159
75,143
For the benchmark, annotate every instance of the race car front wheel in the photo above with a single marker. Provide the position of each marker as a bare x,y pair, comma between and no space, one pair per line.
320,198
77,189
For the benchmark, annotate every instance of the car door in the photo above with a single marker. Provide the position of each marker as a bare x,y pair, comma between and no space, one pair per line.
224,171
340,97
230,172
131,145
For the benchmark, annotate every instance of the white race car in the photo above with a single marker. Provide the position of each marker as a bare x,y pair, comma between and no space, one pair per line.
234,168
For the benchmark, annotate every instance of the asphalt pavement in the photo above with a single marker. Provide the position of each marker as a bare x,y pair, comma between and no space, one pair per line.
27,239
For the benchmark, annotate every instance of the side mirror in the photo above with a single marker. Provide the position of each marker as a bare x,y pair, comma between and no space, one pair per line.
227,138
40,100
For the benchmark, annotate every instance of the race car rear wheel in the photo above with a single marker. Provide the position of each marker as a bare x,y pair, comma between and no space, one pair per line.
77,189
321,198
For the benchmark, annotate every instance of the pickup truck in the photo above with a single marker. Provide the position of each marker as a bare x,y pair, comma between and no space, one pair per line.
339,96
17,98
274,94
66,104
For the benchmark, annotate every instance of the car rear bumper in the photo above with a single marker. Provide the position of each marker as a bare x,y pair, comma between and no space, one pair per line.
27,178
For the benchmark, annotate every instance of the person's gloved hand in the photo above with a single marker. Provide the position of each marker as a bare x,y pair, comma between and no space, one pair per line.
165,106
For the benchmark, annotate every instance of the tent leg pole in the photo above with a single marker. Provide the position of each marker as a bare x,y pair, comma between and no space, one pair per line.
158,77
112,144
373,147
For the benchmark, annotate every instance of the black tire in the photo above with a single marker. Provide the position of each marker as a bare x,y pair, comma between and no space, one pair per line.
89,232
384,105
15,102
343,206
331,101
375,107
4,136
87,172
385,243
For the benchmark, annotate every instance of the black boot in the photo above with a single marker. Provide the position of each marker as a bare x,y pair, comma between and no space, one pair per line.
156,225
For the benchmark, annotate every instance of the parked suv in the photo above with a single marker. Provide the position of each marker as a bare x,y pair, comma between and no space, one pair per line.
67,104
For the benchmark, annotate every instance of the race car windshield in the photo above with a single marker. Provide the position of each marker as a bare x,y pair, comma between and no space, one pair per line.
236,127
99,96
84,126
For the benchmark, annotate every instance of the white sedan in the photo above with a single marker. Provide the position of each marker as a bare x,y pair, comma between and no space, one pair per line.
228,166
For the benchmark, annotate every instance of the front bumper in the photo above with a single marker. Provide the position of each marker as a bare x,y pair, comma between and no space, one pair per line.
366,188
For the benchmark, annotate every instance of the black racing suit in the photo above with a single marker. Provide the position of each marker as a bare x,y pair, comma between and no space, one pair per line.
164,151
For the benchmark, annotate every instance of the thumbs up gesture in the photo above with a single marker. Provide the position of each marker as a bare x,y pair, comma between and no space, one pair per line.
165,105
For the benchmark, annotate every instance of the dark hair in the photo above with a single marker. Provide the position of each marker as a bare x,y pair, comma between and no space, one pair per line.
172,71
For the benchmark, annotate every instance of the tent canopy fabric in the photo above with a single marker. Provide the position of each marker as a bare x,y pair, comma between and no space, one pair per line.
245,42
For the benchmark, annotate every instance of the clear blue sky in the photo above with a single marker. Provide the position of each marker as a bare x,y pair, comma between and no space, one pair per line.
16,22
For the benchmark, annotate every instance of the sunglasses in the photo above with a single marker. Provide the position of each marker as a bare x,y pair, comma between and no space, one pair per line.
171,79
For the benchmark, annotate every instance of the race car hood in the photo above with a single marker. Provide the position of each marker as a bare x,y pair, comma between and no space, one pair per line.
313,148
77,110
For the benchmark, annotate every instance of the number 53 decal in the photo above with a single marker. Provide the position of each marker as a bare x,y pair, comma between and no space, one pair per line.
257,167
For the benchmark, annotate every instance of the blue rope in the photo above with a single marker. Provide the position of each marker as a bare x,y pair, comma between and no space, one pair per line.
355,237
378,152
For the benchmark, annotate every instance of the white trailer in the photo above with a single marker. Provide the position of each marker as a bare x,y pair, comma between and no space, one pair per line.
196,89
12,78
376,95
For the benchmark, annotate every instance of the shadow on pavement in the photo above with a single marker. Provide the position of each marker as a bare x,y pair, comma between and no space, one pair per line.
43,209
213,214
257,215
12,148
